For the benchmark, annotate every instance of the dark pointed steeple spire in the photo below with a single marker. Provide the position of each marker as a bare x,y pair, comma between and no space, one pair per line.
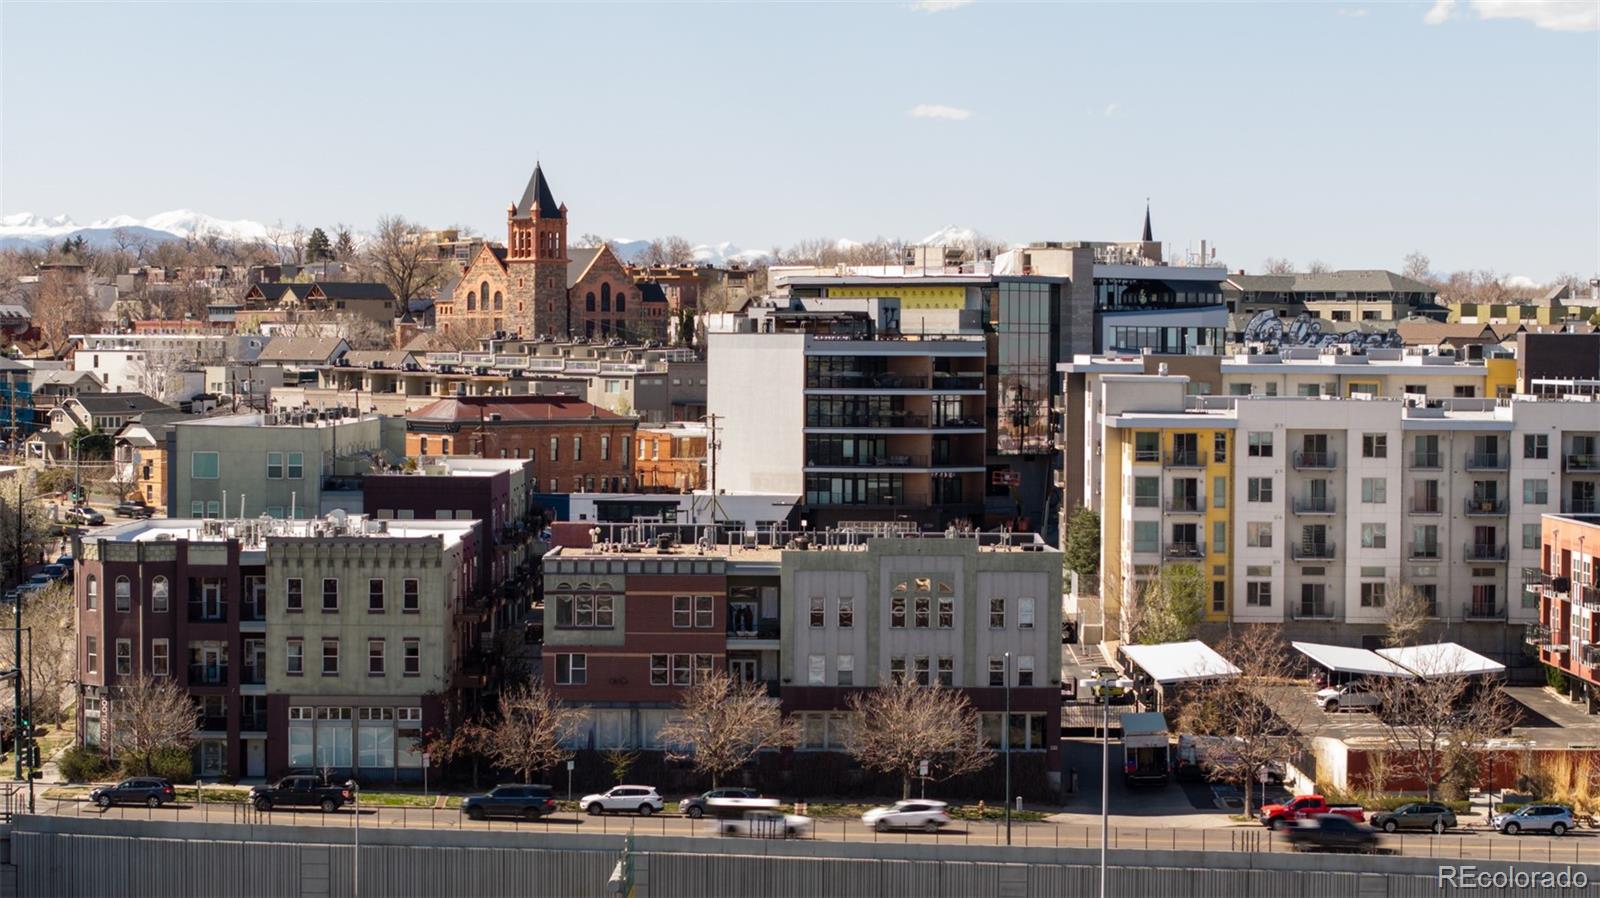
1148,236
538,192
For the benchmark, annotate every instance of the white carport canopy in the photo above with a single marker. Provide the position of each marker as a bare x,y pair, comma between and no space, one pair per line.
1441,660
1178,662
1346,660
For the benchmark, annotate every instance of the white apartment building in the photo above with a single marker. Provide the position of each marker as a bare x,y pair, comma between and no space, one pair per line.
169,367
1325,504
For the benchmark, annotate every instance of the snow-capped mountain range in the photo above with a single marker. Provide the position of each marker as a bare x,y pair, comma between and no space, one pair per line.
29,229
26,228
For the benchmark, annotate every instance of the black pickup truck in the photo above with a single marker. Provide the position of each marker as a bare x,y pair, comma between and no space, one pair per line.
299,792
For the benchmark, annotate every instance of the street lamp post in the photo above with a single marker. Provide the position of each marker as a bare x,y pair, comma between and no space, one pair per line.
1005,744
355,854
1101,689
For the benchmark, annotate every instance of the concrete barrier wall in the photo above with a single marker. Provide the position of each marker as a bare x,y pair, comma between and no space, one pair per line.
66,857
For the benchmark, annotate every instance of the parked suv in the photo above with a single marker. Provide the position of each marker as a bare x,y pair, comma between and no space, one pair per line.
1535,818
150,791
1436,817
695,805
301,792
927,816
511,800
644,800
1356,694
84,515
133,508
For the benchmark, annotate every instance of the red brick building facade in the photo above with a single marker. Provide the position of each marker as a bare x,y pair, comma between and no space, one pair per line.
574,446
1568,580
537,285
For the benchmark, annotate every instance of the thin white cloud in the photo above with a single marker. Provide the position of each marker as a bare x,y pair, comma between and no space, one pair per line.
1522,281
1111,109
933,110
939,5
1440,13
1349,13
1551,15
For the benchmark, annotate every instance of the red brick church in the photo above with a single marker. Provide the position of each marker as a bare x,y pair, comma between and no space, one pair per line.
537,285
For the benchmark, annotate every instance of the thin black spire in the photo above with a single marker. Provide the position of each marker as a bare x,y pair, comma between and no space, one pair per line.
538,191
1148,236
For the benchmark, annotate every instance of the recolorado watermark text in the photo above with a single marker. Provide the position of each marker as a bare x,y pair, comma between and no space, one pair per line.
1468,876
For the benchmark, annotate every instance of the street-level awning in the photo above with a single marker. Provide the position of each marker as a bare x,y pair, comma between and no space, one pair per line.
1348,660
1442,659
1179,662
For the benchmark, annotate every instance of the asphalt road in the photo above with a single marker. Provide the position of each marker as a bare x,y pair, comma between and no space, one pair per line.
1582,846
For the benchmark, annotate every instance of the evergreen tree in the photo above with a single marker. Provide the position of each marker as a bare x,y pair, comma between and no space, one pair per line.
1083,544
344,246
318,247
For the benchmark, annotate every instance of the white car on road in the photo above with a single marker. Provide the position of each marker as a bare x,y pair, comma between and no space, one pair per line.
927,816
642,800
1355,694
765,825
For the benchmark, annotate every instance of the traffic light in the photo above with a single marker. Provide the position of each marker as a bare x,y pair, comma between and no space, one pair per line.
33,756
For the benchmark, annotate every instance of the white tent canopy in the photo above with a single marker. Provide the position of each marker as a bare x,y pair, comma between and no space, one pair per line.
1178,662
1346,660
1442,659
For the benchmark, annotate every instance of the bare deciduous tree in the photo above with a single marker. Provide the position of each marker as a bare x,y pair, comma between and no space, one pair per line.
1437,724
1317,266
49,615
62,307
528,730
1405,613
1275,265
901,724
147,715
1417,266
722,723
399,256
1252,719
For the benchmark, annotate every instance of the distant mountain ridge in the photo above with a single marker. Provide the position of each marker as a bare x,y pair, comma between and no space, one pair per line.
25,229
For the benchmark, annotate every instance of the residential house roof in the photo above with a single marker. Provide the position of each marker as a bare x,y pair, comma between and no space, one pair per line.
352,290
385,358
581,258
65,377
119,403
313,350
1358,280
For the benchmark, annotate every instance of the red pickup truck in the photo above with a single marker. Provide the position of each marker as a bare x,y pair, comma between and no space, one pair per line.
1301,807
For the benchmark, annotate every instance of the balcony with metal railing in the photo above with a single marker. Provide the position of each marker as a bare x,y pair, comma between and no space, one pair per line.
1536,635
1580,505
1590,656
1323,609
208,675
1312,505
1315,460
214,723
1186,459
1185,550
253,675
1186,505
1426,505
1312,551
1484,552
1486,611
1581,463
1487,461
1424,552
1427,461
1480,508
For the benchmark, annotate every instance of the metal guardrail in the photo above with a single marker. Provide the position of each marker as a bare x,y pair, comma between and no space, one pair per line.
1471,842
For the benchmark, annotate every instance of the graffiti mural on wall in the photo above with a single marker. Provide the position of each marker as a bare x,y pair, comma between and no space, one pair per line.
1272,332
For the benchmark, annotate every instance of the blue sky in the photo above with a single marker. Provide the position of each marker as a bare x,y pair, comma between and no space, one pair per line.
1351,133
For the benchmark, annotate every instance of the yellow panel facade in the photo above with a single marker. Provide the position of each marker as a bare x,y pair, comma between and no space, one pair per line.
1500,377
910,297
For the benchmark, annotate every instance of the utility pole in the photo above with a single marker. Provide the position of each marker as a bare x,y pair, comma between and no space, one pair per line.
16,682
